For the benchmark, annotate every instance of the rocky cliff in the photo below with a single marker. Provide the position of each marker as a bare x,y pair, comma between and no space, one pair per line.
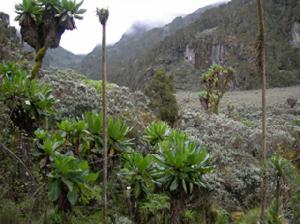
225,34
129,53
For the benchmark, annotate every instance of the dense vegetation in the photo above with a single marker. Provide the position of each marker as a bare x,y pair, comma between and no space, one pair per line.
51,158
65,153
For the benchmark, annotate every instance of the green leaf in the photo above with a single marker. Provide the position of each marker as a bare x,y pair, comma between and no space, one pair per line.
174,185
54,190
92,177
69,184
184,186
72,197
191,187
137,190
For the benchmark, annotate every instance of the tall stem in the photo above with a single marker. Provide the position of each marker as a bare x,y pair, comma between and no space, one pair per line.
261,61
40,54
104,110
277,197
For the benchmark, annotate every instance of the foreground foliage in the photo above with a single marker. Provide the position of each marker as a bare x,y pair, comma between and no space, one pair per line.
29,102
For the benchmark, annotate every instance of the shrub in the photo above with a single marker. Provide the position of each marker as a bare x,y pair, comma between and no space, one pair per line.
160,89
215,83
155,208
222,217
69,178
9,213
28,101
297,121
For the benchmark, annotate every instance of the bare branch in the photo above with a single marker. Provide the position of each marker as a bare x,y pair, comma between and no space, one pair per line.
14,156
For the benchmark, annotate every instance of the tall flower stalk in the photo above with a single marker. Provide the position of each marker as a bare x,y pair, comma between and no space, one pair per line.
261,66
103,17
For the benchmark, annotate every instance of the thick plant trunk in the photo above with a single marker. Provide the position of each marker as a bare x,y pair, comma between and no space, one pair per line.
104,111
178,204
40,54
262,73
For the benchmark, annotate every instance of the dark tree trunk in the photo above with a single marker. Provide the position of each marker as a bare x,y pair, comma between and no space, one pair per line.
30,32
178,204
52,31
63,202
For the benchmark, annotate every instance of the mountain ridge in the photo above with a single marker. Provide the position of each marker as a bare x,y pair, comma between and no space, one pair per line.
224,34
125,52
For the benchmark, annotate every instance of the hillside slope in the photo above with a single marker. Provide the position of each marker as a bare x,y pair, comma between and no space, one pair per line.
224,34
124,56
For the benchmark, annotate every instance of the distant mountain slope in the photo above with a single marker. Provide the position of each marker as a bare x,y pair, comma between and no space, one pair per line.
227,35
62,58
132,46
224,34
59,58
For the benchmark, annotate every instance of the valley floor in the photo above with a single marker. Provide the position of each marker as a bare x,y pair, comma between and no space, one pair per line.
249,98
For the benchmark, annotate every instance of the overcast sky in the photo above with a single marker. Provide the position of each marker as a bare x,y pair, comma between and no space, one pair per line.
123,13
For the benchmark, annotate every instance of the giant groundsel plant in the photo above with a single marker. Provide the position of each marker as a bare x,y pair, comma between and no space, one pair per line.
44,21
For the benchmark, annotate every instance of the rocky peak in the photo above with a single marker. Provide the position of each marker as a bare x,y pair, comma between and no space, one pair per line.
4,19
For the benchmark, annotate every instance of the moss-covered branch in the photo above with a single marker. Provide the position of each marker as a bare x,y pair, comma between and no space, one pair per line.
38,62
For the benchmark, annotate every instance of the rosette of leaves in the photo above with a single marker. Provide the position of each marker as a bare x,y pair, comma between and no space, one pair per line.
182,163
29,102
69,178
94,127
156,132
137,171
180,167
48,145
70,181
76,135
118,140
